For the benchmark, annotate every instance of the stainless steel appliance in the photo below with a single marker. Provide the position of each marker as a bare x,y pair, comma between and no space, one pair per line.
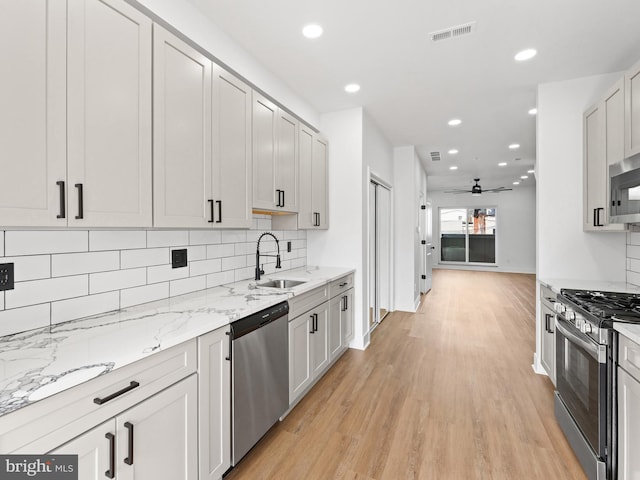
586,355
259,376
624,188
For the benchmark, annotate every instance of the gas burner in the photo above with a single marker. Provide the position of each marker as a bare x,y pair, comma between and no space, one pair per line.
625,307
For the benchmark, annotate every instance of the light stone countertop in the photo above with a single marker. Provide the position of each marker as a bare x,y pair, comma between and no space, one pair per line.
39,363
629,330
604,286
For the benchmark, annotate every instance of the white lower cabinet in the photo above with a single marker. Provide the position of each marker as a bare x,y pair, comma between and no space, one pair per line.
341,323
155,440
548,336
628,426
214,404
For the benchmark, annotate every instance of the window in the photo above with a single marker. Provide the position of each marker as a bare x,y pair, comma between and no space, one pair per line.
468,235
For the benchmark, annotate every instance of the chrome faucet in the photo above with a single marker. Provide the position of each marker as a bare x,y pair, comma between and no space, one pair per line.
259,270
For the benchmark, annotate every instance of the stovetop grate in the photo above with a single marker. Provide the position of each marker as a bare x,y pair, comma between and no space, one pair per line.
625,307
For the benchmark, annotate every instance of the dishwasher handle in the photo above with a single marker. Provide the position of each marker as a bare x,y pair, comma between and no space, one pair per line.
230,345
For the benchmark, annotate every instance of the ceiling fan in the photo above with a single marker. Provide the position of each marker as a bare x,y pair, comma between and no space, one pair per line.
477,190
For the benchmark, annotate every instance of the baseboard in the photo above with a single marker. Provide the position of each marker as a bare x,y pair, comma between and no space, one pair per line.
537,366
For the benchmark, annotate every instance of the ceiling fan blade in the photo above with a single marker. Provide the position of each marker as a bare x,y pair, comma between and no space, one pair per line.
456,192
497,190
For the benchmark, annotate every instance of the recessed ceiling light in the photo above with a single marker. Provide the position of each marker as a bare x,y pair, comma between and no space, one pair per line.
533,111
453,151
531,171
514,146
502,164
525,54
516,183
352,88
312,30
524,177
454,122
453,167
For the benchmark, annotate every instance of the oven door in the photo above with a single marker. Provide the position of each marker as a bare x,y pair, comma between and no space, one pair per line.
581,372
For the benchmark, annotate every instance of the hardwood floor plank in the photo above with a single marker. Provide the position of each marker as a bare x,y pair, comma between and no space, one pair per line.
447,392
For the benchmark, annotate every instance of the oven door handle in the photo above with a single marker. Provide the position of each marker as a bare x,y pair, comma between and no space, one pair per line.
590,348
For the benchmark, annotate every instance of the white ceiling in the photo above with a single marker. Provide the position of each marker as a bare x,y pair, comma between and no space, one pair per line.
411,86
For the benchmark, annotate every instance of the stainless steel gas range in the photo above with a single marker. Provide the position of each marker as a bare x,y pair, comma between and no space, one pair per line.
586,357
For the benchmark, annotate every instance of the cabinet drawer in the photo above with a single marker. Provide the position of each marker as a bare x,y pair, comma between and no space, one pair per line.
547,296
44,425
308,300
340,285
629,356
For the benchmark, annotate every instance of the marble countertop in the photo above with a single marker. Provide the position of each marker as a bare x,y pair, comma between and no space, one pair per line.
557,283
39,363
629,330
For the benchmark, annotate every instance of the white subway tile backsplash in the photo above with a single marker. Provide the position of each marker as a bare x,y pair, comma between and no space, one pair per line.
78,263
144,294
1,244
245,248
75,308
204,267
298,262
187,285
107,281
220,278
45,242
48,290
633,277
195,253
633,265
29,267
234,236
204,237
164,273
145,257
117,239
1,300
633,238
230,263
633,251
243,274
167,238
218,251
290,235
23,319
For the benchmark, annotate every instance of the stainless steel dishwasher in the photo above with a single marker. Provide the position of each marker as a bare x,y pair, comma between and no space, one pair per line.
259,376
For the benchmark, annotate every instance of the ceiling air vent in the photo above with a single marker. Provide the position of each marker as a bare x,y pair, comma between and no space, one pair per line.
453,32
435,156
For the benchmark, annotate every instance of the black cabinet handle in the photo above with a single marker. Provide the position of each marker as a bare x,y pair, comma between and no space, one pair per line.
219,202
111,473
230,345
315,316
547,322
80,215
600,224
282,202
313,330
595,222
278,192
129,459
211,208
316,219
344,303
63,208
343,284
131,386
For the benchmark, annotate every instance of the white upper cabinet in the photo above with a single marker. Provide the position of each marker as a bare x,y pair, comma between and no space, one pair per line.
182,133
632,110
313,180
109,114
33,112
275,157
320,175
231,200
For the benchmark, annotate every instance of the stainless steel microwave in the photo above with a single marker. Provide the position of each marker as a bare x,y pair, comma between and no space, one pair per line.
624,185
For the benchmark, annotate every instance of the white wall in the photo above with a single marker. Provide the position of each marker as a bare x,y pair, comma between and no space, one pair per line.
410,180
516,226
187,19
564,250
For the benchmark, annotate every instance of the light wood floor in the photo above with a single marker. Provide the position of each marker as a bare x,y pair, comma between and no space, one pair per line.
445,393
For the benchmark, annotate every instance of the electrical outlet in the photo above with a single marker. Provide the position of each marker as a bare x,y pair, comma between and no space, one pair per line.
179,258
288,246
6,276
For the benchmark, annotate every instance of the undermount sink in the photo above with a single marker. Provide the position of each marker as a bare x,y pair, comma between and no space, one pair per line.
281,283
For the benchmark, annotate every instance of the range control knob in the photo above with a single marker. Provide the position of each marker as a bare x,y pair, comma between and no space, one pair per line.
570,314
586,327
559,308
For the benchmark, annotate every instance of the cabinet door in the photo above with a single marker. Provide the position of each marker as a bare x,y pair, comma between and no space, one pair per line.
94,449
109,114
348,317
594,168
319,179
548,359
300,374
231,150
335,326
33,112
181,133
287,162
320,340
306,217
628,426
158,438
265,115
632,111
214,404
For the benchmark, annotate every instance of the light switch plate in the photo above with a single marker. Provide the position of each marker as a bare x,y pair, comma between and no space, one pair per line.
6,276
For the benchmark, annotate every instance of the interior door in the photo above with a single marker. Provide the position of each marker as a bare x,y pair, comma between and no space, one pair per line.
426,215
379,252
